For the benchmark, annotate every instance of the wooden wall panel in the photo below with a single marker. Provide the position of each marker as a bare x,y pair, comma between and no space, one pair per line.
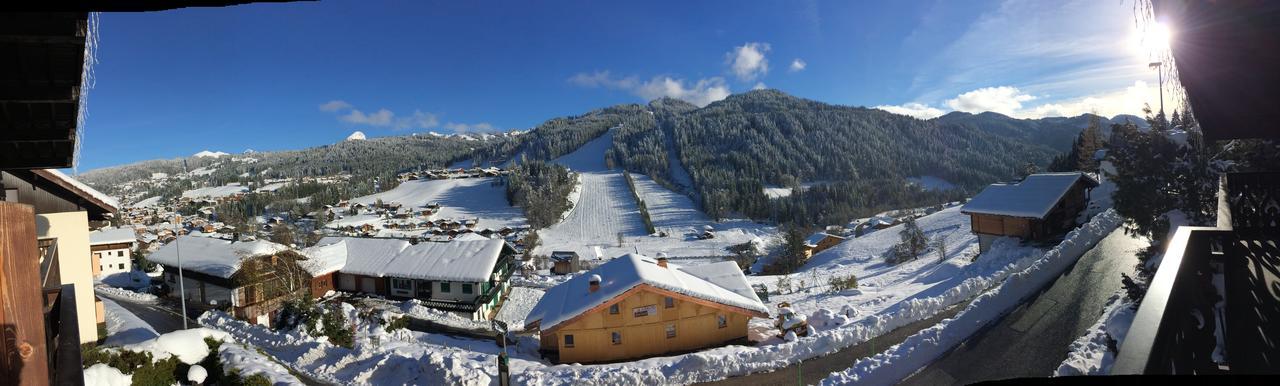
23,353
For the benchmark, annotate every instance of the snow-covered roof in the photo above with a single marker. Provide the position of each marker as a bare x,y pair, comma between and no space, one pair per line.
816,238
217,257
1033,197
456,260
720,282
112,236
470,237
324,259
85,189
366,256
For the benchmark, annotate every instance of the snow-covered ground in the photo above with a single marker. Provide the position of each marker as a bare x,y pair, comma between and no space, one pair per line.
250,362
123,327
215,191
517,306
459,198
146,202
1090,353
1028,275
605,209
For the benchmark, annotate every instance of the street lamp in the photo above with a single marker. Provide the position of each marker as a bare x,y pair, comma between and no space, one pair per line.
182,288
1159,83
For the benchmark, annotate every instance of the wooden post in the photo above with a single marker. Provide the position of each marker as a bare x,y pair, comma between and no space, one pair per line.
23,352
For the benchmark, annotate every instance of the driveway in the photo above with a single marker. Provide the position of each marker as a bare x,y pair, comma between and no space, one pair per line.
159,316
1032,340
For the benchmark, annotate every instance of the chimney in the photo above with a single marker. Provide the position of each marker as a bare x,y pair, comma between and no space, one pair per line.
594,283
662,259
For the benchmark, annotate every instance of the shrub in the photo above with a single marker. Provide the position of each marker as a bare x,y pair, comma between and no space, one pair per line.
336,328
838,283
299,312
398,323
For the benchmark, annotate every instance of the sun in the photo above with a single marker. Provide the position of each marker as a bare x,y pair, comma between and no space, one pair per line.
1151,40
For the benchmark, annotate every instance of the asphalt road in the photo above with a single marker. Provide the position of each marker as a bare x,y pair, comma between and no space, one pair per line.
1032,340
161,318
816,369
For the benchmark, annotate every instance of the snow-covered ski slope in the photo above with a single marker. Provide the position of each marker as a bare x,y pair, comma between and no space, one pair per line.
606,209
459,198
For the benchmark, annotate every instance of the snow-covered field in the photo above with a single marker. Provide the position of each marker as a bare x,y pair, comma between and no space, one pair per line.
1090,354
605,209
459,198
215,191
1028,275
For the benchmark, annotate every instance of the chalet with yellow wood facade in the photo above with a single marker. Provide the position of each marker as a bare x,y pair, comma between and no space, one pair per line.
635,307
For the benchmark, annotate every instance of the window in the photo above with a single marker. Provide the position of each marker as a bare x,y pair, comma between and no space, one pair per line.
121,265
669,302
120,253
444,287
402,284
613,309
722,321
671,331
568,340
616,337
466,288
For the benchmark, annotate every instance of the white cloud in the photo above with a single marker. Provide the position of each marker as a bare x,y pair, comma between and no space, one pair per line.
335,105
482,127
918,110
1129,100
380,118
603,79
759,86
798,65
419,120
748,62
700,93
1004,99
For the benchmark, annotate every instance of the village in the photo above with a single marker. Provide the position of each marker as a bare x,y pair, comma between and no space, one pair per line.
624,204
412,261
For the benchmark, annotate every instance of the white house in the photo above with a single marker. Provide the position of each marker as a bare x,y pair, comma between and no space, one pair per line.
112,251
467,276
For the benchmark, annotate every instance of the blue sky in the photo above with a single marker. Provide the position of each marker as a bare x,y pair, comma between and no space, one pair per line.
288,76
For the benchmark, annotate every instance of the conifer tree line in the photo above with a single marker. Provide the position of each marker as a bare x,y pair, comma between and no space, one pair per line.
1170,173
541,189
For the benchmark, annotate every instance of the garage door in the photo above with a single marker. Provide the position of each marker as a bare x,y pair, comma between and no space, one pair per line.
347,283
367,286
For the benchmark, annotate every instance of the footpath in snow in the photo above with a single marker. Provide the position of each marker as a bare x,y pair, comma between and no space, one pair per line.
919,350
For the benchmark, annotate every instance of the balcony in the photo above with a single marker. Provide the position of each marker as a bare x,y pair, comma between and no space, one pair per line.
1213,306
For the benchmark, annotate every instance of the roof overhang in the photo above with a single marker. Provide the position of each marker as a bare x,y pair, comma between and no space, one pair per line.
40,78
1227,61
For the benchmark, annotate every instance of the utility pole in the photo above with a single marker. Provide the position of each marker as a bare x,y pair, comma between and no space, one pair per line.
504,371
1159,67
182,288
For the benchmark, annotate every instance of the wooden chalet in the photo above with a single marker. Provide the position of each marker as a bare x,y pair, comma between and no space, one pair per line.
635,307
213,275
1039,206
819,242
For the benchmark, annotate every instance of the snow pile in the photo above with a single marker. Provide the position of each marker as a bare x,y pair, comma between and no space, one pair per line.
1091,353
123,327
920,349
188,345
415,309
103,375
124,294
356,136
379,357
250,362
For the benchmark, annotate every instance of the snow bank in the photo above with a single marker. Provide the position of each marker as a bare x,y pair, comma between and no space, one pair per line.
123,327
250,362
1090,354
924,347
125,295
103,375
188,345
